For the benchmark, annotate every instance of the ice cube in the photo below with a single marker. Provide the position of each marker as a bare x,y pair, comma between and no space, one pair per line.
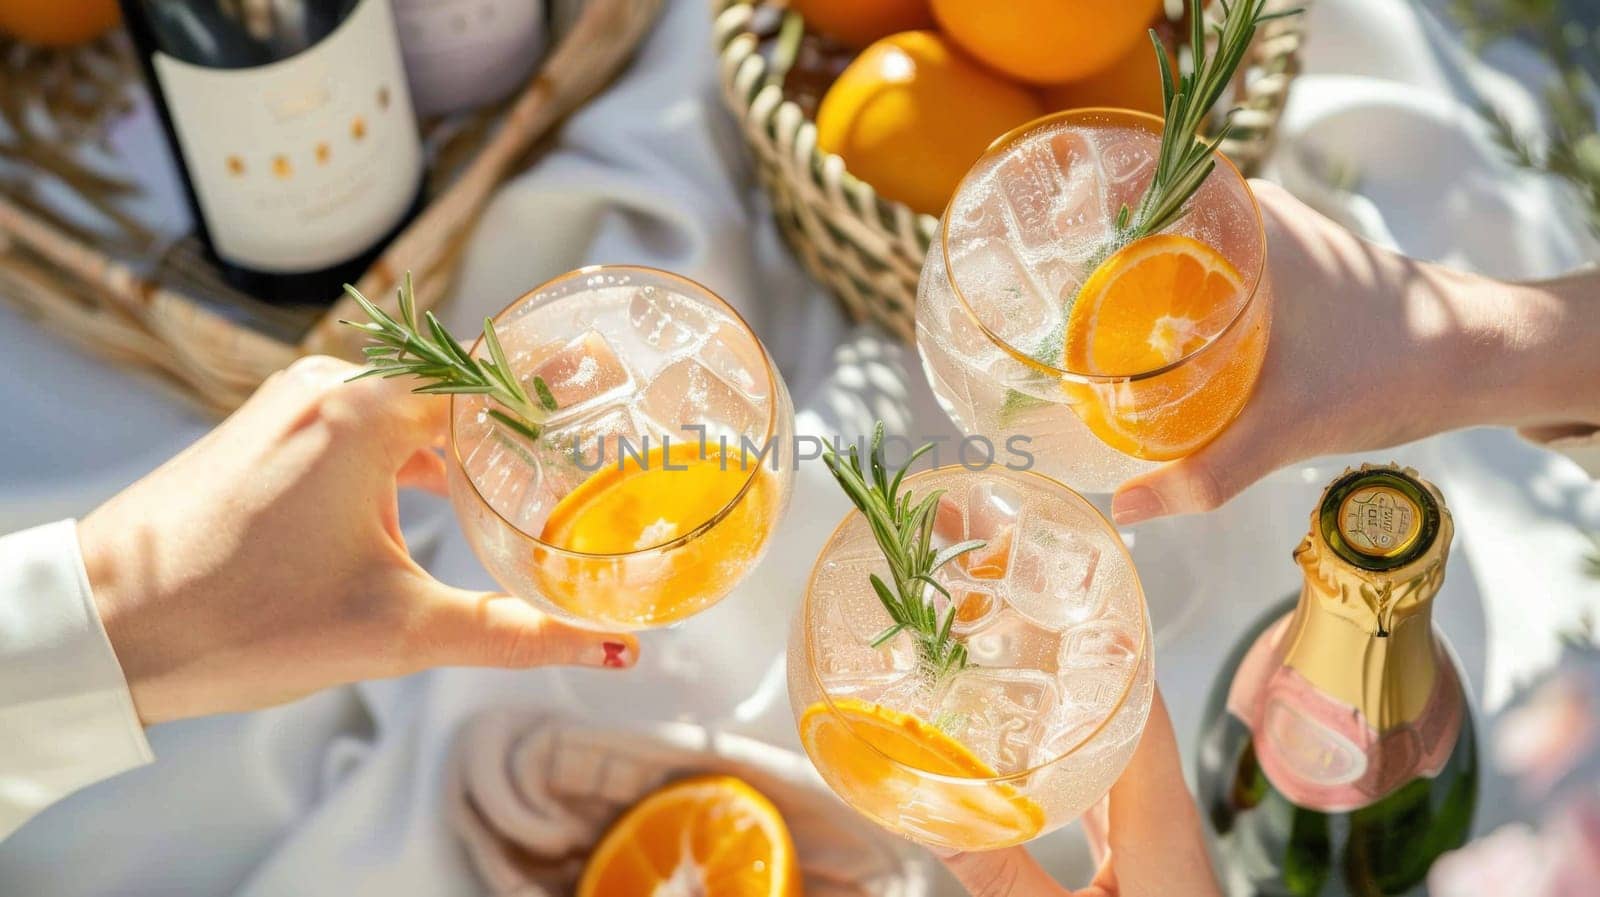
914,693
506,472
1035,176
1053,578
667,321
576,448
998,713
949,521
992,509
685,396
975,607
1099,644
847,664
1011,640
739,363
583,373
1003,292
1087,699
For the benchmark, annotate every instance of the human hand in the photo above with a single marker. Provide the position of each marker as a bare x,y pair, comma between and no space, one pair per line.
266,561
1145,836
1371,349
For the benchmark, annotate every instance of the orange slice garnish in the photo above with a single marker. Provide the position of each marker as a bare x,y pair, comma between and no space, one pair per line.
634,505
1153,303
706,835
879,760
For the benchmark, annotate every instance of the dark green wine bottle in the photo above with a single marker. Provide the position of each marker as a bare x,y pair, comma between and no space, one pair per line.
1338,755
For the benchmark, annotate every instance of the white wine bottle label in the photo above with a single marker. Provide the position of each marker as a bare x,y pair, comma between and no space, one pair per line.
465,53
1323,754
303,163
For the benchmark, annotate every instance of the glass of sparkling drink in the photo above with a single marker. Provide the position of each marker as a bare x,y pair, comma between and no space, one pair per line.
1034,319
654,486
1056,683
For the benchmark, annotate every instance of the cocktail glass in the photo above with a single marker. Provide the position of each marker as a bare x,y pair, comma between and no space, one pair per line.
655,486
1023,319
1034,730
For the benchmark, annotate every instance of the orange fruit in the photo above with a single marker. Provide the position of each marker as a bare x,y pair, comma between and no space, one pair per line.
631,505
872,757
1152,303
58,23
911,114
856,23
1133,81
705,835
1046,41
989,562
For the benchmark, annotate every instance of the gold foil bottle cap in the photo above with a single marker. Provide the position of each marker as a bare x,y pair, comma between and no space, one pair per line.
1377,546
1380,521
1379,518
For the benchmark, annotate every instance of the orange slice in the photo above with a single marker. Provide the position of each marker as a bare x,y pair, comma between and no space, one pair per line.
880,760
641,503
633,505
1152,303
706,835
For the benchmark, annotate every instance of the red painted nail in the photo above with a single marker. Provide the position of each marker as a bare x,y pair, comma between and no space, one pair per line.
614,654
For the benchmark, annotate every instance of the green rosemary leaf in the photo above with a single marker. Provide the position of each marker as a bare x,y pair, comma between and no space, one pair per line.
401,349
546,397
902,524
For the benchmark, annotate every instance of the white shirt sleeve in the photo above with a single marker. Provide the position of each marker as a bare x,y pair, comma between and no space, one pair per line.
66,715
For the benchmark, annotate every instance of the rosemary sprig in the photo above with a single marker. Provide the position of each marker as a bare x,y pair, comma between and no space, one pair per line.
400,348
1185,160
1567,37
903,527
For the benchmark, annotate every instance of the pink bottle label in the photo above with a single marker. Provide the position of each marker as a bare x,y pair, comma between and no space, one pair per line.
1322,753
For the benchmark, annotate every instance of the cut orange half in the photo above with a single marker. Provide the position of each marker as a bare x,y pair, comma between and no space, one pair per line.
630,506
1154,302
706,835
880,760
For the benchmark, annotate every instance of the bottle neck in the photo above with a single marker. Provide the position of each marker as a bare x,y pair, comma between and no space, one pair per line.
1388,677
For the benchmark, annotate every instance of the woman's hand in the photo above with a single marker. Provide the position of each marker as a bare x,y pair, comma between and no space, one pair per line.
266,561
1370,349
1145,836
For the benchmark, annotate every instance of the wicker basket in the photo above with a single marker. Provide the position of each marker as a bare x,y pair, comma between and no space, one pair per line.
165,311
867,249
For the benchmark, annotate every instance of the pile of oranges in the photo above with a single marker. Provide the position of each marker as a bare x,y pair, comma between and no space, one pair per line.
937,80
57,23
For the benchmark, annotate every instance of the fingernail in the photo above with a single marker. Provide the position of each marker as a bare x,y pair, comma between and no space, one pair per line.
1136,504
616,654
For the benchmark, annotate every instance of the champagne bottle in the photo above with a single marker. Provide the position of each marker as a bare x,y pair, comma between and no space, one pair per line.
292,126
1338,754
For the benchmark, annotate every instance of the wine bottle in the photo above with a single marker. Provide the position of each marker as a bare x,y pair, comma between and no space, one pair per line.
461,54
1338,754
292,125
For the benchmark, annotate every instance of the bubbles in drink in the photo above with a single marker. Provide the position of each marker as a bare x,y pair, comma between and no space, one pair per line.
666,321
1048,600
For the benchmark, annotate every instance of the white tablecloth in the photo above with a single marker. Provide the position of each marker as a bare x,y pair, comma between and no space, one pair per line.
340,794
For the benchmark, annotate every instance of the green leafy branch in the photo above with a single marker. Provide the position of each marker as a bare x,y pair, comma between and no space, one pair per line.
401,348
1570,151
902,524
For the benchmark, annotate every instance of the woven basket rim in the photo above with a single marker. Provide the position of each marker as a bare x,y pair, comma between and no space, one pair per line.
737,51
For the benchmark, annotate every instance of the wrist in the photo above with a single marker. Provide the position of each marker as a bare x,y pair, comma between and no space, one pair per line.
1520,354
114,593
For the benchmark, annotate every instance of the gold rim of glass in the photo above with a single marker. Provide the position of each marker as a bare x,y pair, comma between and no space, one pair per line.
1109,115
692,289
1071,495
